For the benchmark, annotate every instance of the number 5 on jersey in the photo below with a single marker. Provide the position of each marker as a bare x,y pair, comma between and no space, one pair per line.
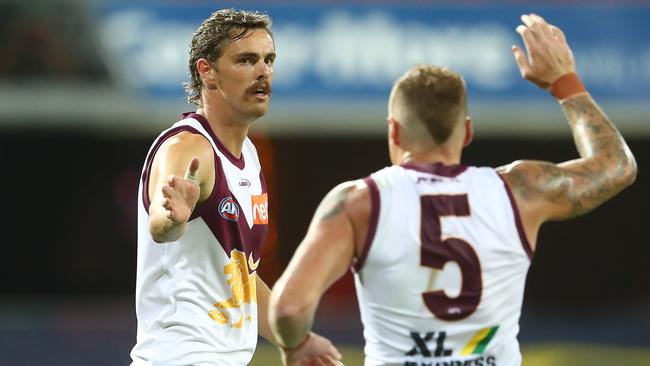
436,252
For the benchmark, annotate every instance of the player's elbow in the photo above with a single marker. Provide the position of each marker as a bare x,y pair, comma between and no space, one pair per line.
627,171
158,239
632,170
155,233
158,233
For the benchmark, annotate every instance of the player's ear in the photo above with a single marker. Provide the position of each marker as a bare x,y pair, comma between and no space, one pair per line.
394,131
205,70
469,131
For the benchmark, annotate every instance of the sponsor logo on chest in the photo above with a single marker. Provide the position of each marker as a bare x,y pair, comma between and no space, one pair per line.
228,209
260,209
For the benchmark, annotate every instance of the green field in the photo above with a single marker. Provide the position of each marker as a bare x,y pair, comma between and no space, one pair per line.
534,355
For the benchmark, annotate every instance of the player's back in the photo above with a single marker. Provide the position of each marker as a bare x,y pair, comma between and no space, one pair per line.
442,275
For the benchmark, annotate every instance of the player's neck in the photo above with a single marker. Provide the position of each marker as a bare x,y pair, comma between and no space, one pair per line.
229,130
429,157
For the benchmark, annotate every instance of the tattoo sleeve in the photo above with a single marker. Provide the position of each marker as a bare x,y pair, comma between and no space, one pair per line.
332,204
606,165
575,187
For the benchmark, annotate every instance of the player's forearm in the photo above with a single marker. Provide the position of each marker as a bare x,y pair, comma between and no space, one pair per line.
606,166
162,228
290,315
599,143
593,133
290,327
263,294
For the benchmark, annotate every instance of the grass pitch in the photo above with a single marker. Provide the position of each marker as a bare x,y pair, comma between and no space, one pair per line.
534,355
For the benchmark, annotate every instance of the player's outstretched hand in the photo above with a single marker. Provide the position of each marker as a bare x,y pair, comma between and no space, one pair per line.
548,54
181,194
315,351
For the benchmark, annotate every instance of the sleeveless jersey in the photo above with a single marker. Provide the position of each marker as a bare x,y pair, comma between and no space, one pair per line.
196,297
441,278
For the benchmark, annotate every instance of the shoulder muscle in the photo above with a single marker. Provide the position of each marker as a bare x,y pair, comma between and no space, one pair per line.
173,157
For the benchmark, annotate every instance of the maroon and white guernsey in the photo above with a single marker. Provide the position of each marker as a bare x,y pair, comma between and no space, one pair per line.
441,278
196,298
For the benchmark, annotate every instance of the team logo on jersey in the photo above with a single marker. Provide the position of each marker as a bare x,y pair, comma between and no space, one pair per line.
228,209
243,182
260,209
244,291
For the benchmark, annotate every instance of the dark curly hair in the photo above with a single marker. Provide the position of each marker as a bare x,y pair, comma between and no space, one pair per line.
209,40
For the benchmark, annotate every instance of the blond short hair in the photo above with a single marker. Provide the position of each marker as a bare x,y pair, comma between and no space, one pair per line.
433,96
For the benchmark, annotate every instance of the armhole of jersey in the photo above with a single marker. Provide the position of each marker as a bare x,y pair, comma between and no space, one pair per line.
518,223
372,223
146,200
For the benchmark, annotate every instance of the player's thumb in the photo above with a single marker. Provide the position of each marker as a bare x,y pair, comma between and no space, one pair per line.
192,169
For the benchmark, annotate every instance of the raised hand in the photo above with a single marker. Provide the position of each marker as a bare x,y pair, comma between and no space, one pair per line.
181,194
314,351
549,56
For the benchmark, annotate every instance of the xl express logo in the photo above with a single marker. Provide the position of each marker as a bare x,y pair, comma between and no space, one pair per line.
228,209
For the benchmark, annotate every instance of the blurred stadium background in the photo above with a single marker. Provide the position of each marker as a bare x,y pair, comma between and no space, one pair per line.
86,85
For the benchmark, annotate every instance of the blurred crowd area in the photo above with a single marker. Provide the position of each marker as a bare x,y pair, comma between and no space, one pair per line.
73,136
44,41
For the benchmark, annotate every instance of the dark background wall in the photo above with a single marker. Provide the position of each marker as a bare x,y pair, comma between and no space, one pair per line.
69,215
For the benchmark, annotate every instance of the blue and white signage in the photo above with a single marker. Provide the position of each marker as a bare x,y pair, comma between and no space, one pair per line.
357,51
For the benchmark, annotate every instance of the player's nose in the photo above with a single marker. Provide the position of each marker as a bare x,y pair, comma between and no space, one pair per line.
263,71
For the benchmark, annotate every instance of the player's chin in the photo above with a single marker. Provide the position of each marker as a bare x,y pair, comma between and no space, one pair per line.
259,110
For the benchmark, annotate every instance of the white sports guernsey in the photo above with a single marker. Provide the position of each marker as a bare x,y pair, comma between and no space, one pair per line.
196,298
440,280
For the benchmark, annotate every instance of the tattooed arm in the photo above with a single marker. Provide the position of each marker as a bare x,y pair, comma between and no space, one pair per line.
546,191
324,255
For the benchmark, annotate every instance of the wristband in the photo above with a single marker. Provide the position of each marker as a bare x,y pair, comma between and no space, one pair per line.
567,86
